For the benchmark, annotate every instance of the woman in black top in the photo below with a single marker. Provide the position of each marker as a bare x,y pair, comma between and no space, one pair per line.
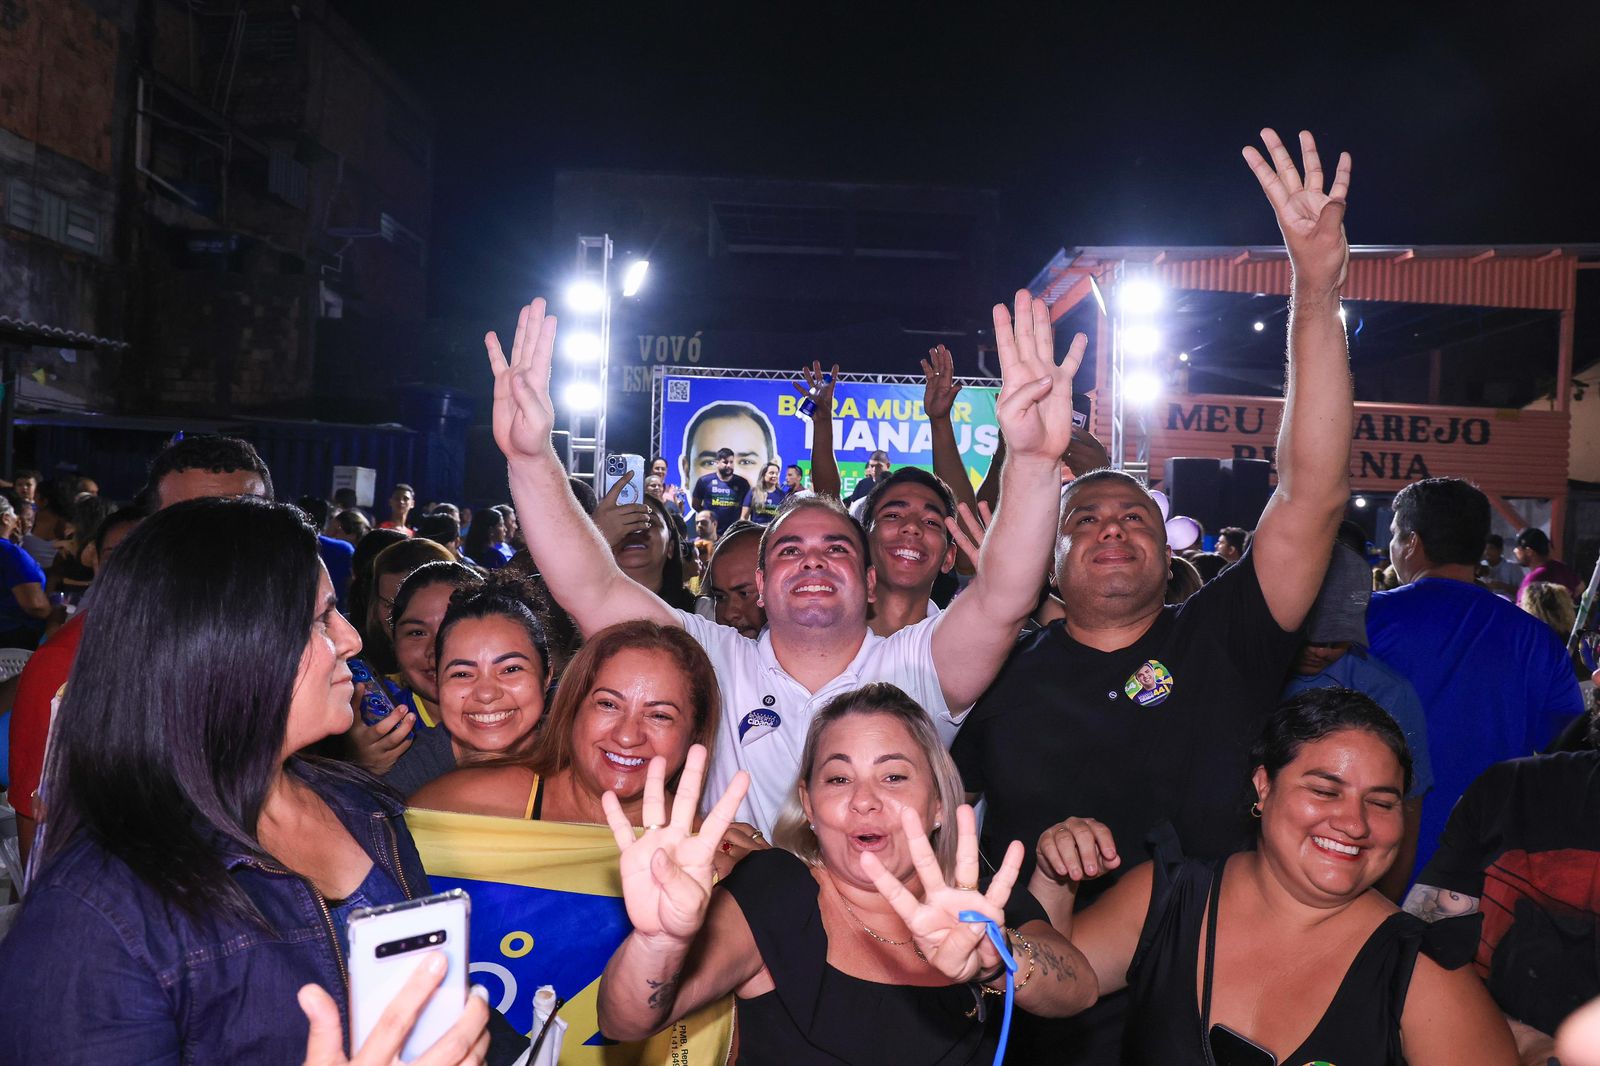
850,937
1286,947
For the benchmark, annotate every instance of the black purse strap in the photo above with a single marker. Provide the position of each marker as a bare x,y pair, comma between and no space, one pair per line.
1211,959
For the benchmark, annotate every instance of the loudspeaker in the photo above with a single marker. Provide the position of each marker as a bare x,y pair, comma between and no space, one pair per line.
1248,486
1195,488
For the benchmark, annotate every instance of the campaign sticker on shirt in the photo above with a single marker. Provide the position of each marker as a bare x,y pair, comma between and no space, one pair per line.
758,724
1150,684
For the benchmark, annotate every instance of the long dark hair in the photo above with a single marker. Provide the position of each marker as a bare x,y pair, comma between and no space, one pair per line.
672,588
1321,712
167,762
367,551
477,543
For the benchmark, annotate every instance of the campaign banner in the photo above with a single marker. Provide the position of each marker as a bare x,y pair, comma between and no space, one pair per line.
760,420
547,909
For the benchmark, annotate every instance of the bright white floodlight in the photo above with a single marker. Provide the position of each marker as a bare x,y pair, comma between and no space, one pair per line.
581,347
1141,388
1258,325
581,397
633,278
1140,296
1183,357
1361,502
585,297
1141,340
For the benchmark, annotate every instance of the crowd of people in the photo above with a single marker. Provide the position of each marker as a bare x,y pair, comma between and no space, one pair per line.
879,764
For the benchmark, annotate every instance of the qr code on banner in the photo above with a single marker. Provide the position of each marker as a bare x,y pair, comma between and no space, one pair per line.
678,391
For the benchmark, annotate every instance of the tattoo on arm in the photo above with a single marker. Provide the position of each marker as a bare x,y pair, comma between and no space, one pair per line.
664,991
1053,965
1431,904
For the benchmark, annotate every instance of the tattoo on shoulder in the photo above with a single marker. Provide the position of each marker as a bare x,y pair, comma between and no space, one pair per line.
1431,904
663,992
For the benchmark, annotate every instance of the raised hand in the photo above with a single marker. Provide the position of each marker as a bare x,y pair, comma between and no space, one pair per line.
1086,453
968,530
815,385
941,387
617,523
667,872
523,413
957,949
1035,406
1312,220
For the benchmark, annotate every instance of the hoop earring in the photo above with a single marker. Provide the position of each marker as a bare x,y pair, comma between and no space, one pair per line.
1255,810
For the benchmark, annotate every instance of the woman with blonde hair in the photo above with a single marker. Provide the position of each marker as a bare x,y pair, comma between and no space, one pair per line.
848,930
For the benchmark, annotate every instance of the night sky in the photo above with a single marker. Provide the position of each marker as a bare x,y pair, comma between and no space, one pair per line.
1114,124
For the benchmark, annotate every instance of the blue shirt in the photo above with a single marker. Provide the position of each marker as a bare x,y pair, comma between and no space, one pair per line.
763,513
724,499
338,556
18,568
1494,682
1360,672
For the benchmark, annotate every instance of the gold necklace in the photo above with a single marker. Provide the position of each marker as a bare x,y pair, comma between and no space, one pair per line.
865,928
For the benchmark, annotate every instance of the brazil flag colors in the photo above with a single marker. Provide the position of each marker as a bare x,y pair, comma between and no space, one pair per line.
547,910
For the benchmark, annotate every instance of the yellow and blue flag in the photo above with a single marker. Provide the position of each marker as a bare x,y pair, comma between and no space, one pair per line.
547,910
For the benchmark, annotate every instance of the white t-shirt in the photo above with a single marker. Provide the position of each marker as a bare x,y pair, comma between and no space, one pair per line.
765,712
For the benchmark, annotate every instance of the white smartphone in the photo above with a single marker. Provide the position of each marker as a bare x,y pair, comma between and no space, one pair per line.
619,466
387,945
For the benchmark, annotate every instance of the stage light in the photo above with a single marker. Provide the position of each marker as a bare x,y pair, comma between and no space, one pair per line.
1259,326
581,347
633,277
1140,296
1142,388
1183,357
1141,339
585,297
581,397
1360,502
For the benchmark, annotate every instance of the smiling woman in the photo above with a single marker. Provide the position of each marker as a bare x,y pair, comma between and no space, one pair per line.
1297,952
635,691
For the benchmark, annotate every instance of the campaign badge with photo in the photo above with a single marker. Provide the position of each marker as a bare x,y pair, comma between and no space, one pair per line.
1150,684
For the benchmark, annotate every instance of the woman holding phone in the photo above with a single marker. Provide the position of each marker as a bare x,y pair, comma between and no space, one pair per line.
195,871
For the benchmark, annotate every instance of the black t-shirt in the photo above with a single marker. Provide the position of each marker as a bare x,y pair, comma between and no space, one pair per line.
1068,730
724,499
1159,731
1525,840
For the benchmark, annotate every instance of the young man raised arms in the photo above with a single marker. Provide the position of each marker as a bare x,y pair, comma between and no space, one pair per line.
814,572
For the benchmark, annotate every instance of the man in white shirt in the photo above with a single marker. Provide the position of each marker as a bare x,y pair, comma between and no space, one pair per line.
815,572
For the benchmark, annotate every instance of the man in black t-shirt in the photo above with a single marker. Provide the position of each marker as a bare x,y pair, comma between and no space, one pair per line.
1522,850
721,492
1133,712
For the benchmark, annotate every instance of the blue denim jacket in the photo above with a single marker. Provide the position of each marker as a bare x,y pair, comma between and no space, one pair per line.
99,970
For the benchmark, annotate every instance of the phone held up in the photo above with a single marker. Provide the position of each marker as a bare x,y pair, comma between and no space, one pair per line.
619,466
387,944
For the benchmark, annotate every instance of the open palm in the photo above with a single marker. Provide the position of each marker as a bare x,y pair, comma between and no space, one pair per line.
1310,218
955,948
666,873
523,413
1035,404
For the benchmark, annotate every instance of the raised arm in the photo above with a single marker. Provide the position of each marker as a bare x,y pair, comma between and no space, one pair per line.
973,637
676,959
1295,536
939,392
825,479
567,548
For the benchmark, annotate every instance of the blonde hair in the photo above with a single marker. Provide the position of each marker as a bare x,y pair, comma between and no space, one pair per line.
793,832
1551,604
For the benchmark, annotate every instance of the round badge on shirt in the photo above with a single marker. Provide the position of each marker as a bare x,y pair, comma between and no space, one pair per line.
1150,684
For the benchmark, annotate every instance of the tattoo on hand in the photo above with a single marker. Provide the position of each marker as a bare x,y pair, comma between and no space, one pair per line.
664,991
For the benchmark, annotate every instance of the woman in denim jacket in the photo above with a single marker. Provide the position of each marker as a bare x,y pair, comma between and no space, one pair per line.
195,873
